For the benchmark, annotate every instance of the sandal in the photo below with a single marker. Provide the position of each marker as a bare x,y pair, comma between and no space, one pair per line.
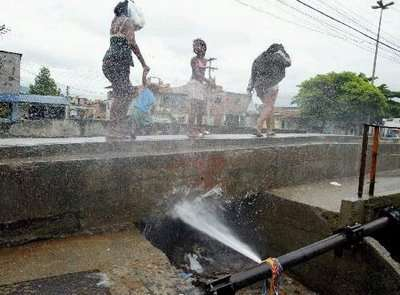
258,133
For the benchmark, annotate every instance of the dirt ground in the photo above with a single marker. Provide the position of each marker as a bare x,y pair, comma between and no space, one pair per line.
289,287
130,264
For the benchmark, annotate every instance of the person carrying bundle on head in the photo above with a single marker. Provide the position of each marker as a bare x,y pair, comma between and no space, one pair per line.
117,63
268,70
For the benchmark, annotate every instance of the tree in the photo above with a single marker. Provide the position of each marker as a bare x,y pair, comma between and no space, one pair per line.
393,110
345,100
44,84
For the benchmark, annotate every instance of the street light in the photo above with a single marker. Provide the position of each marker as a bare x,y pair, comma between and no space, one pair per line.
382,7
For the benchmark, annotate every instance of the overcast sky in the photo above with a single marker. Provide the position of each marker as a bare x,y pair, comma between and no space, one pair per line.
71,36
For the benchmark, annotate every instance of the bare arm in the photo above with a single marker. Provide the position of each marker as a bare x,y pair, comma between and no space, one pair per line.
130,35
144,76
283,57
250,87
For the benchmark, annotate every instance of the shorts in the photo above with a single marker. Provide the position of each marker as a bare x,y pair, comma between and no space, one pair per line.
141,120
263,91
196,90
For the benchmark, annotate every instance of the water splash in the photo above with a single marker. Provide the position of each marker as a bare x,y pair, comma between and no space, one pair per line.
203,215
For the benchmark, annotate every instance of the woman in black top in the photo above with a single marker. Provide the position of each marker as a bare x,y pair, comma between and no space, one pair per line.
116,67
268,70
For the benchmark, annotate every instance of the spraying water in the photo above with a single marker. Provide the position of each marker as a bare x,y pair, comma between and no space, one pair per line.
204,216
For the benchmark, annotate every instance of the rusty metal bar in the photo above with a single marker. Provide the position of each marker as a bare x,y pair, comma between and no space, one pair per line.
363,161
375,148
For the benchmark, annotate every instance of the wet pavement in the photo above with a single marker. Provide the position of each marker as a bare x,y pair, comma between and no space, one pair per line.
328,194
129,263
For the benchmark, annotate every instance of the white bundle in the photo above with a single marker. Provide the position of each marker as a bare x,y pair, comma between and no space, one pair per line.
136,15
255,106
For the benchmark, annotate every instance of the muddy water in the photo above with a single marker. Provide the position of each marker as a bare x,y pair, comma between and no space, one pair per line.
129,262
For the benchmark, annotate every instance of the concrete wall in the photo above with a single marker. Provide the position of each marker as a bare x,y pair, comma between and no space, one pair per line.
57,128
47,197
285,226
9,72
113,188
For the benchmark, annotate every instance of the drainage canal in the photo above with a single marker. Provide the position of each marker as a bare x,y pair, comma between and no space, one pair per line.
219,236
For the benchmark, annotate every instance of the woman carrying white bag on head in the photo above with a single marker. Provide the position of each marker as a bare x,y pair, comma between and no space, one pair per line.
117,63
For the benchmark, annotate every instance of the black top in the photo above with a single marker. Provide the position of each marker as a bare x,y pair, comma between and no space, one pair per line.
119,51
269,69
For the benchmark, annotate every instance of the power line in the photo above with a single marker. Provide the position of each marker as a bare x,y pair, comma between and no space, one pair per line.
370,28
357,19
317,20
348,35
348,26
310,28
343,38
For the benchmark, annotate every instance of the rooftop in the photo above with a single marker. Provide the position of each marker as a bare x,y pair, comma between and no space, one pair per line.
53,100
3,51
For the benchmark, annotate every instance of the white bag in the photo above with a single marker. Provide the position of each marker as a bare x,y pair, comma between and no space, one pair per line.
255,106
136,14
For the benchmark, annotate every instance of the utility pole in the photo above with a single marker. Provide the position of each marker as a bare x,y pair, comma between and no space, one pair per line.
382,7
210,67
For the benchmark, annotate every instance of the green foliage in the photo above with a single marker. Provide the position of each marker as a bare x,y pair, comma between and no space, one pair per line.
44,84
387,92
343,99
393,110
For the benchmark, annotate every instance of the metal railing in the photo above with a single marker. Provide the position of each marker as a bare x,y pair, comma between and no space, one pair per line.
374,157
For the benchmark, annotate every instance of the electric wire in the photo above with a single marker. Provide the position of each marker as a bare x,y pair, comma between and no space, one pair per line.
353,42
347,25
360,20
347,35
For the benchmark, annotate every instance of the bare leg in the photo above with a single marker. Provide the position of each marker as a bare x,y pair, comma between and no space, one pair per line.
119,125
199,119
268,110
118,75
192,118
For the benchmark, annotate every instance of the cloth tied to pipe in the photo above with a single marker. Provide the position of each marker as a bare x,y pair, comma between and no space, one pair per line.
277,270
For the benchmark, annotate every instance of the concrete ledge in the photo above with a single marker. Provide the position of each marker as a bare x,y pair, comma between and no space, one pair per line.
118,188
11,148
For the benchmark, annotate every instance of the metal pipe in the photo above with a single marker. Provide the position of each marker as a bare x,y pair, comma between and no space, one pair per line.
375,148
363,161
230,284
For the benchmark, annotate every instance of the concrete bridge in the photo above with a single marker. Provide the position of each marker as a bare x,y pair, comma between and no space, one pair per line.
305,187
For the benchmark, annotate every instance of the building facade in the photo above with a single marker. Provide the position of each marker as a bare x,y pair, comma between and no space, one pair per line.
10,64
223,108
15,106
